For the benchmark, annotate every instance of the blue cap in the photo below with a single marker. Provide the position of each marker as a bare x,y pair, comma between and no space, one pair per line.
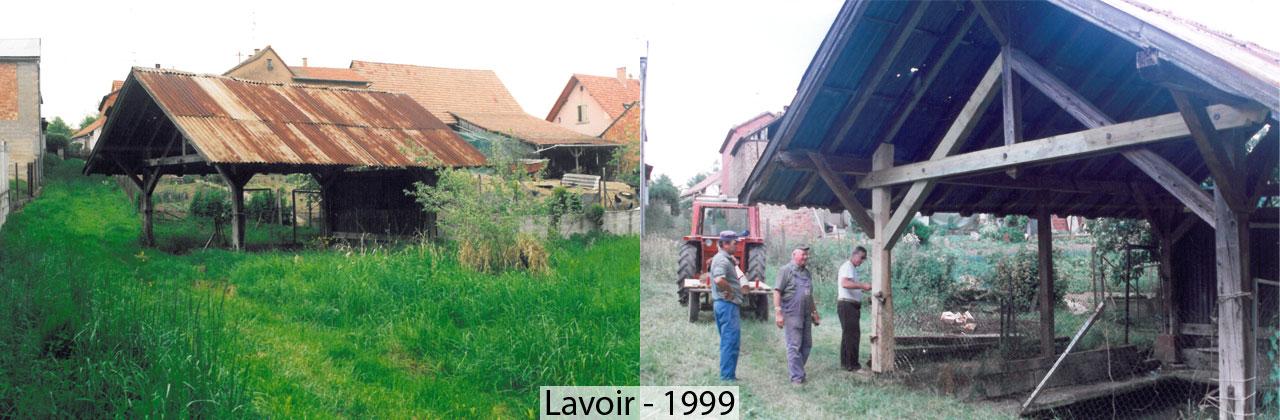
729,235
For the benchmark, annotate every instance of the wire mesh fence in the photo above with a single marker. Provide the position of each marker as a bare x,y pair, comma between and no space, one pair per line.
967,324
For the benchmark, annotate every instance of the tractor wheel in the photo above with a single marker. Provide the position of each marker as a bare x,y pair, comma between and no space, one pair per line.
688,269
755,271
694,305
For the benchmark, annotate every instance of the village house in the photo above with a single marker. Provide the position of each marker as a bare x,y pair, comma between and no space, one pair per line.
87,136
266,65
739,152
21,123
591,104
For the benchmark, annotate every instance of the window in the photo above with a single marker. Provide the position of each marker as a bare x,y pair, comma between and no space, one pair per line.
582,114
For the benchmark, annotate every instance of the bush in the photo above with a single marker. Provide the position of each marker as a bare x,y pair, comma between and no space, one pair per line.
595,214
1016,279
211,203
925,277
921,230
484,215
560,203
55,141
262,206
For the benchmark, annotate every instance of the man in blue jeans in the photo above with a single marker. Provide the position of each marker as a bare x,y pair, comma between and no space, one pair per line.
727,297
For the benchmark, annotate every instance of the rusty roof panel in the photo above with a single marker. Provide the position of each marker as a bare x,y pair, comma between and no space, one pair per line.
236,121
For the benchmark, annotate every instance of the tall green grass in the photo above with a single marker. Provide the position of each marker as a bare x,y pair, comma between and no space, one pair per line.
100,327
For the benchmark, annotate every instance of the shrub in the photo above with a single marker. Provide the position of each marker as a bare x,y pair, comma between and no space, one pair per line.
483,215
55,141
560,203
211,203
595,214
921,230
926,277
261,206
1016,279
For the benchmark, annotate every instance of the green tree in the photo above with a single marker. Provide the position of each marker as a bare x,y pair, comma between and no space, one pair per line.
663,190
88,119
58,126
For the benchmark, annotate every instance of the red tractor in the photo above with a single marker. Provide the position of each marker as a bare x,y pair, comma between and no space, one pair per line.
712,215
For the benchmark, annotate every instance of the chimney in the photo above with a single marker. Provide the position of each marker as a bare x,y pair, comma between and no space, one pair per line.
304,61
157,65
622,75
256,50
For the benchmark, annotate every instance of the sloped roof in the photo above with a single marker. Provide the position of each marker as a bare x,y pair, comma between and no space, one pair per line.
233,121
328,74
747,128
1089,45
625,128
442,91
611,93
255,57
477,96
89,128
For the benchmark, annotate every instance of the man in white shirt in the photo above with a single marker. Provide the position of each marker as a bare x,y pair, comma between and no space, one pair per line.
849,308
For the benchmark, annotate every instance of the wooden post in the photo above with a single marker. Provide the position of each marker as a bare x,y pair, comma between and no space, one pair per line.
1237,345
1044,239
151,178
236,181
882,342
1166,347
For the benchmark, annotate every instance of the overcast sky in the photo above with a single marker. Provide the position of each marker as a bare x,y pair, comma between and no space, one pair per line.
712,65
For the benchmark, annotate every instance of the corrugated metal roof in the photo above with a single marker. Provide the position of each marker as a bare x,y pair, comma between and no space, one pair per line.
1090,57
234,121
20,47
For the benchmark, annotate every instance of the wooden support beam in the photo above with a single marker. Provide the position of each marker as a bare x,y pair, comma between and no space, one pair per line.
955,36
1011,104
175,160
1154,69
799,160
992,23
235,181
1075,145
151,177
1237,301
850,203
1044,242
1212,149
959,131
1159,169
882,342
1184,226
876,72
1261,164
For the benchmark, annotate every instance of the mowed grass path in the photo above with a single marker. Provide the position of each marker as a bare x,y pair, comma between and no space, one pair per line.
98,327
675,352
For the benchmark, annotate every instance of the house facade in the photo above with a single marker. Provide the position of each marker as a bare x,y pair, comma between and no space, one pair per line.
21,124
87,136
590,104
266,65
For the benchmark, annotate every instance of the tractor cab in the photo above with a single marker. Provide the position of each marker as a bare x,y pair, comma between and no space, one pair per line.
712,215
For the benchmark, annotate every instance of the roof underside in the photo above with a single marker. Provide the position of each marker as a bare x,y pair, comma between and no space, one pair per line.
1093,61
232,121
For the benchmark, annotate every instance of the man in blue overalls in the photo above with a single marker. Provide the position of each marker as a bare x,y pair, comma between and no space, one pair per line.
793,303
727,295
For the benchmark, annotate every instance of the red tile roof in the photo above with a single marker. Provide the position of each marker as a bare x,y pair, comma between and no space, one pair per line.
328,74
476,96
747,128
610,92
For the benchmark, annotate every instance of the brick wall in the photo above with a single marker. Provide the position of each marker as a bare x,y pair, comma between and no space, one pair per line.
20,131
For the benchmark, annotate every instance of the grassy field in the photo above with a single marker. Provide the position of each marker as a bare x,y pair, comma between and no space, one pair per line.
676,352
94,326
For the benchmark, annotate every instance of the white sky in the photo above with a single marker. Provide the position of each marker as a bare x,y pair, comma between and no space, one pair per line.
712,64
